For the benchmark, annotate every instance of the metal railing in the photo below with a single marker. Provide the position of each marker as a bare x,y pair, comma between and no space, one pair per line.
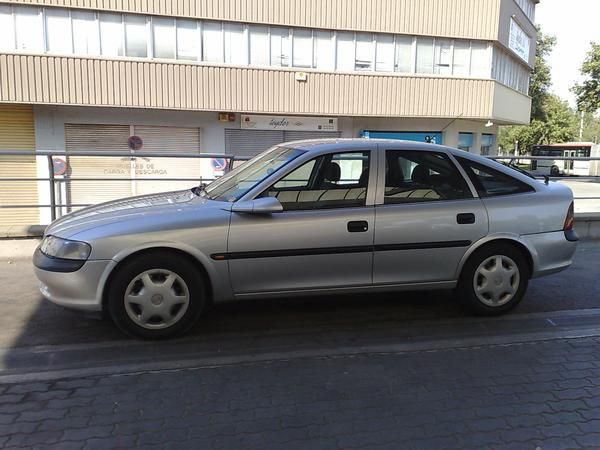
56,183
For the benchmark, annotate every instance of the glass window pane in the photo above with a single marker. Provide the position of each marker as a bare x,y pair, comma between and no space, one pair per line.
345,51
424,55
86,37
163,36
303,48
443,57
280,47
29,28
324,50
111,34
364,51
212,42
236,49
404,54
136,36
462,58
480,61
58,31
188,40
259,45
385,53
491,182
7,29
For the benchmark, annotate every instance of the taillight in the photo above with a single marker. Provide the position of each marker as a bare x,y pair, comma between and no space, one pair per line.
570,219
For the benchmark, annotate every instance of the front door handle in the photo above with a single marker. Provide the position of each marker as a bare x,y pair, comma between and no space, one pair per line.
358,226
465,218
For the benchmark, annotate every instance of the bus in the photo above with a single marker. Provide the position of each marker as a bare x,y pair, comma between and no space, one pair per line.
557,168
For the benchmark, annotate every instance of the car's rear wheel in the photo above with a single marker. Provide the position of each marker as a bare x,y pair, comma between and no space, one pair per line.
156,295
494,279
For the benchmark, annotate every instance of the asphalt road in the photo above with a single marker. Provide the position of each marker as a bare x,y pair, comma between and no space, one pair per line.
29,320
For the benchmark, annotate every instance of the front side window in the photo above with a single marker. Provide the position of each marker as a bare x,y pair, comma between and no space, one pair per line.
330,181
491,182
236,183
417,176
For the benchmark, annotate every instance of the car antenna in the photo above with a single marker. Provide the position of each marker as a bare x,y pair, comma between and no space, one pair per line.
546,179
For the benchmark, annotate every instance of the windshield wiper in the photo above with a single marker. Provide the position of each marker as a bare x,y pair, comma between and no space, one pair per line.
198,190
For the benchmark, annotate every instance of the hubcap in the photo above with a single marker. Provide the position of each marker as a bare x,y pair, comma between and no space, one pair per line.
496,280
156,299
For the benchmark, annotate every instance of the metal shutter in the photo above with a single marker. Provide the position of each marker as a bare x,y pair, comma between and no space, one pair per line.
251,142
301,135
17,132
94,137
169,139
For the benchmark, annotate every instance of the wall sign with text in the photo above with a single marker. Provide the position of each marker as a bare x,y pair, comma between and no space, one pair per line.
289,123
518,41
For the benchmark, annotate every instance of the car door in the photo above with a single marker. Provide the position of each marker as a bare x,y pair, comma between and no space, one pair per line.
426,218
322,239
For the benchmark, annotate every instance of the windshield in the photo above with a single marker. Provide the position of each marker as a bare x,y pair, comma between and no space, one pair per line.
236,183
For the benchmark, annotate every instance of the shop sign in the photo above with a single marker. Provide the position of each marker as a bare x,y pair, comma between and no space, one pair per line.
288,123
518,41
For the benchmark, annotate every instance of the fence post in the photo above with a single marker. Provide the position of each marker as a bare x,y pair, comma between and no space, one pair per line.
52,187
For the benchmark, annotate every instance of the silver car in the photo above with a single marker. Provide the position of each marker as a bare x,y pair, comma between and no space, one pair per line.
313,218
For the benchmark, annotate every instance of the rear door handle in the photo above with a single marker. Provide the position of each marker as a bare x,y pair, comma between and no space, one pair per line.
358,226
465,218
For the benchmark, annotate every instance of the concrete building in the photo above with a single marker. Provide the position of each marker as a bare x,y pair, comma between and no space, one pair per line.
233,76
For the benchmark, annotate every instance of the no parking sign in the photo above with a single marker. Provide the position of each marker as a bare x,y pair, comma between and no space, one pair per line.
219,164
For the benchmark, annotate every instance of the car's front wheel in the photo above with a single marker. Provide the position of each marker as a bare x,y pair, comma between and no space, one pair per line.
156,295
494,279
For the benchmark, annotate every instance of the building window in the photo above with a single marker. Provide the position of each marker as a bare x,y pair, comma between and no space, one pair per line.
404,54
303,48
480,60
424,55
136,36
29,29
364,52
7,28
111,34
164,38
384,60
86,35
280,47
259,45
443,57
324,50
212,42
236,48
58,31
345,52
465,141
462,58
487,142
188,40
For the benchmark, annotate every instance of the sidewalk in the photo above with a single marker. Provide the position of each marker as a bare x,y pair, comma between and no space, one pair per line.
528,396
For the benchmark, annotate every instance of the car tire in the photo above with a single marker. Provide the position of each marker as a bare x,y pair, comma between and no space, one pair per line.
554,171
493,280
156,295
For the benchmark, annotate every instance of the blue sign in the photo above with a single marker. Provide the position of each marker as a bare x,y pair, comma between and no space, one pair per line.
432,137
219,163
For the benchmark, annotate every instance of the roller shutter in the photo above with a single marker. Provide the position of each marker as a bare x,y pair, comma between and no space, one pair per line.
17,132
95,137
251,142
168,139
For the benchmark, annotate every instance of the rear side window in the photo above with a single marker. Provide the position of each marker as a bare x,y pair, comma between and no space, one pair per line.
490,182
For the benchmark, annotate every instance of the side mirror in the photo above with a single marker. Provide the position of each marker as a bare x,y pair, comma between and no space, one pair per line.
263,205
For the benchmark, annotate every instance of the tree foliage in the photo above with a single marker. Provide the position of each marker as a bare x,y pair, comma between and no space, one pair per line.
588,92
541,78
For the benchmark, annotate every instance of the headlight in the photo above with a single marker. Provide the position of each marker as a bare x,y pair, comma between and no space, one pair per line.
63,248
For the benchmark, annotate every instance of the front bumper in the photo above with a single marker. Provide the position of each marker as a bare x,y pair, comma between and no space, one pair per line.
79,289
551,252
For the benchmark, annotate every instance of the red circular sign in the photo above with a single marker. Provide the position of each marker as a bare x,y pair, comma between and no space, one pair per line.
59,166
135,142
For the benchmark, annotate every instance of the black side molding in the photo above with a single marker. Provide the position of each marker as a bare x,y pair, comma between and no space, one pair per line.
44,262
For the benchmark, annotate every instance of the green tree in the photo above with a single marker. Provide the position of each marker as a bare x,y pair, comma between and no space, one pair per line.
588,92
591,128
541,78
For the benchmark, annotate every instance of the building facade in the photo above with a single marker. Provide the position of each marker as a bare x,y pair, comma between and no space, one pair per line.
235,77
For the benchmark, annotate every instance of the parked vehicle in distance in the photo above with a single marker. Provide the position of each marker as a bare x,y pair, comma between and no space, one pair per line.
312,218
557,168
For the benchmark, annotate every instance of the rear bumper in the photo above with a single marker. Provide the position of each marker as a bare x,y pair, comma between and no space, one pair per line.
551,252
